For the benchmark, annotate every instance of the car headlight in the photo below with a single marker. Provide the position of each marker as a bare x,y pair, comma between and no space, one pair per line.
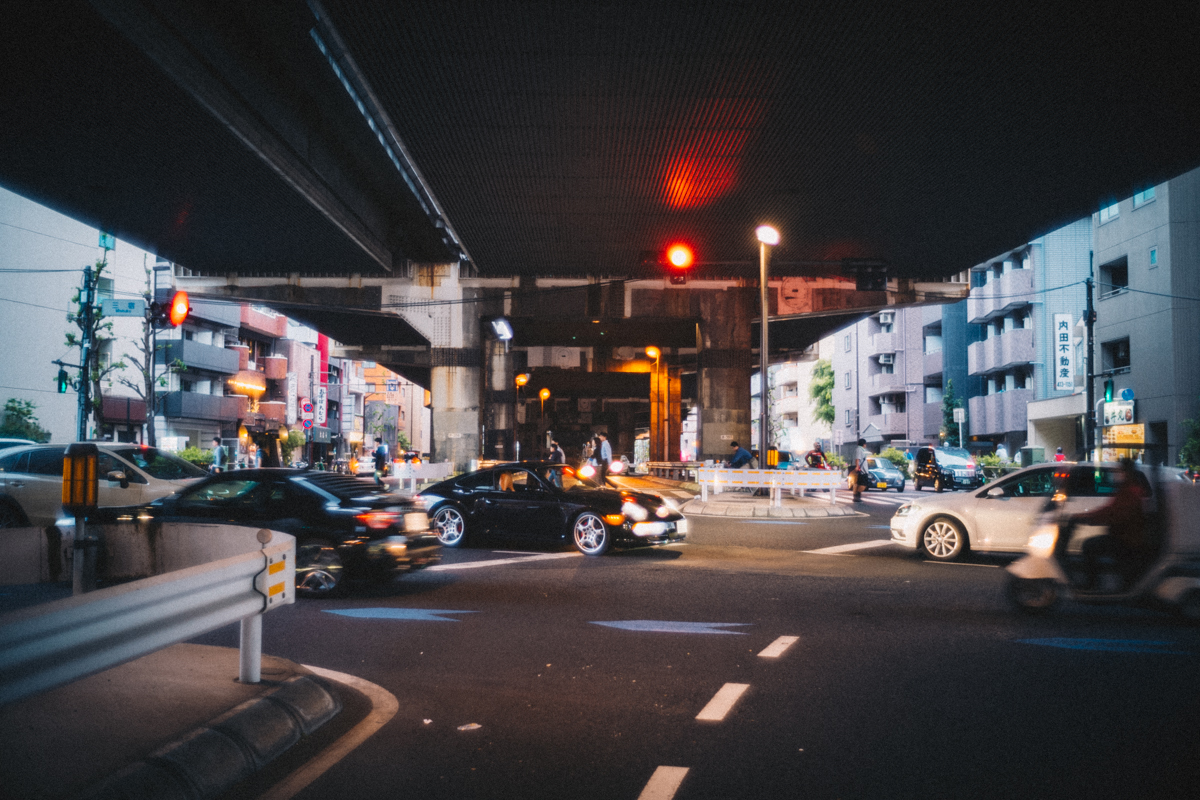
904,510
649,528
634,511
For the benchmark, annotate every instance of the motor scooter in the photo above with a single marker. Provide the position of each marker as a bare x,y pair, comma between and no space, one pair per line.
1170,579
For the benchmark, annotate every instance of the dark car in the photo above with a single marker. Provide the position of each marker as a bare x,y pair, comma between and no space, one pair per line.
344,527
946,468
551,502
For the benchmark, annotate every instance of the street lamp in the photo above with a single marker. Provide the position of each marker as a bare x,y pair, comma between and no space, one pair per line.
543,395
767,237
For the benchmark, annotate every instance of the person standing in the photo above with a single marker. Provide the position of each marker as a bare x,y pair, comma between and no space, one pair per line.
220,460
861,453
380,456
557,456
604,457
815,458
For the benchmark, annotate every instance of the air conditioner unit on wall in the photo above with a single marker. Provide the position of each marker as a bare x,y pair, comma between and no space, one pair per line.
887,317
887,358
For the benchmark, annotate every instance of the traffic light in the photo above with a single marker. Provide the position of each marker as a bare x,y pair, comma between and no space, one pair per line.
1108,390
63,381
170,314
679,257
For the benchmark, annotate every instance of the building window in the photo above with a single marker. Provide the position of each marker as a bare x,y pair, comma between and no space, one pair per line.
1115,355
1141,198
847,418
1153,257
887,369
847,380
847,343
1114,277
1110,213
104,289
933,394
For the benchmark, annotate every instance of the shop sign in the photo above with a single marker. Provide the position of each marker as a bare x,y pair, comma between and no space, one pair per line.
1118,412
1125,434
1064,354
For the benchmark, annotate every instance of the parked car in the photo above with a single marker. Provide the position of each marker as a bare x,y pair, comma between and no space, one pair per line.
130,475
999,517
344,527
945,468
7,443
550,502
883,474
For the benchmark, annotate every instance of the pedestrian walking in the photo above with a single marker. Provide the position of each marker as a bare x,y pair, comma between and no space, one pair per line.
557,455
381,457
859,470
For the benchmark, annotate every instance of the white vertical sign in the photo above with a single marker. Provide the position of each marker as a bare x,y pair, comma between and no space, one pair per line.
1064,354
292,390
319,406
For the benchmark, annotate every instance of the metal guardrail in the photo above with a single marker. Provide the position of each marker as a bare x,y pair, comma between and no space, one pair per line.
59,642
674,470
425,471
796,480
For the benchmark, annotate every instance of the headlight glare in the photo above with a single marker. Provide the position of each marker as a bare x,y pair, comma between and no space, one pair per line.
634,511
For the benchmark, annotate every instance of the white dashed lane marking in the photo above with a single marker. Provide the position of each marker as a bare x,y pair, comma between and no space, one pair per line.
497,561
663,783
722,702
776,648
846,548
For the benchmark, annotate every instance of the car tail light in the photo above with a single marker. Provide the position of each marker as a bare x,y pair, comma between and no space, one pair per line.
378,520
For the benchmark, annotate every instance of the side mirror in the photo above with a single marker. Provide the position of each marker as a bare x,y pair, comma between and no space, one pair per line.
995,493
118,476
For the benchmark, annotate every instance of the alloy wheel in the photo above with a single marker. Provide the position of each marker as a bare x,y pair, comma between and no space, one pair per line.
591,537
451,527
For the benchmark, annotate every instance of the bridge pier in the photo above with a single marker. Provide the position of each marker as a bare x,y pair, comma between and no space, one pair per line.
455,382
726,364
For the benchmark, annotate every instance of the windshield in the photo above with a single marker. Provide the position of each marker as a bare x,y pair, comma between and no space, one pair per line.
953,456
159,464
565,477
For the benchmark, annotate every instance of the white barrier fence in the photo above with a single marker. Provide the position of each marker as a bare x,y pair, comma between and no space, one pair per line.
796,480
412,474
55,643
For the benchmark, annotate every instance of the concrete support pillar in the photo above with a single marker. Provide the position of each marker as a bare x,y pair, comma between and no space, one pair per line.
455,384
499,403
665,423
726,363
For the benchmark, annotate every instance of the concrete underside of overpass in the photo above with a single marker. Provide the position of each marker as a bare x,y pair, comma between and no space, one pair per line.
583,340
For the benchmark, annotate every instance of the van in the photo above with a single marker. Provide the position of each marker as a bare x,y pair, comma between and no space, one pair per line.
946,468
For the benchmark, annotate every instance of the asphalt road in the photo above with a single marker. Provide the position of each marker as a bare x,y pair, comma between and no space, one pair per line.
899,677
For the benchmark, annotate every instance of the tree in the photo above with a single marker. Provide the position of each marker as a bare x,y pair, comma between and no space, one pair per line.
92,328
20,423
949,403
1189,454
402,441
142,362
821,390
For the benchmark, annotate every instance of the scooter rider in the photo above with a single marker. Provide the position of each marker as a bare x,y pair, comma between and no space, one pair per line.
1126,539
815,458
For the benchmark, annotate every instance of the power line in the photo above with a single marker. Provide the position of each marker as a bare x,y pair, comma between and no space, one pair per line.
47,235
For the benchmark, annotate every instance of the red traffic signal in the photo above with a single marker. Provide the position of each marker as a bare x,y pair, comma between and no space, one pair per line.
680,256
179,309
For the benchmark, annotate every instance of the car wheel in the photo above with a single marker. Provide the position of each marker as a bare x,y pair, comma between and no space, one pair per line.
11,516
916,484
1033,596
943,539
900,488
591,537
451,526
319,570
938,486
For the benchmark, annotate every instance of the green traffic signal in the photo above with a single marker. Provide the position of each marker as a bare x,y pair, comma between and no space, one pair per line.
1108,391
63,381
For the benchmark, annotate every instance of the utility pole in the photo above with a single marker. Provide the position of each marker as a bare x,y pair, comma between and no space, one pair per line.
85,360
1090,321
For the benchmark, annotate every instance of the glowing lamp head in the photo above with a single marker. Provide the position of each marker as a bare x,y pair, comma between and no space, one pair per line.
653,352
680,256
544,394
767,235
522,379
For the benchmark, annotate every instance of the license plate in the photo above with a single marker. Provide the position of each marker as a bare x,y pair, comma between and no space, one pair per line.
681,526
881,485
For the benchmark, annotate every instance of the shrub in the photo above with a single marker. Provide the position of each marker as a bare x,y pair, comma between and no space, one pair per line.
201,458
898,458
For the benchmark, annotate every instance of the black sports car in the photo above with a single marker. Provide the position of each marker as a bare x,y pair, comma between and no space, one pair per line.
549,501
344,527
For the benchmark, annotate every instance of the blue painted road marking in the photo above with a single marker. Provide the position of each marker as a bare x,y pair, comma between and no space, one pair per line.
411,614
667,626
1110,645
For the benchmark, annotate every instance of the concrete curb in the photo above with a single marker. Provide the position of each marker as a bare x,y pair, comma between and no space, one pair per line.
212,759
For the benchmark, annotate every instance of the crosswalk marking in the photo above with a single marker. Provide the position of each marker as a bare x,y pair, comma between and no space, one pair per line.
846,548
663,783
776,648
722,702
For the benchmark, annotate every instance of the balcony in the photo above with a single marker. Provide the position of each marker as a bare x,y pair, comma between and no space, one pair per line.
886,383
885,343
1001,352
207,357
226,315
192,405
264,324
275,367
933,364
894,424
1000,413
1000,296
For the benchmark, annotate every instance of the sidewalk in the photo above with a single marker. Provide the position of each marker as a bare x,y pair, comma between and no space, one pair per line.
175,723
